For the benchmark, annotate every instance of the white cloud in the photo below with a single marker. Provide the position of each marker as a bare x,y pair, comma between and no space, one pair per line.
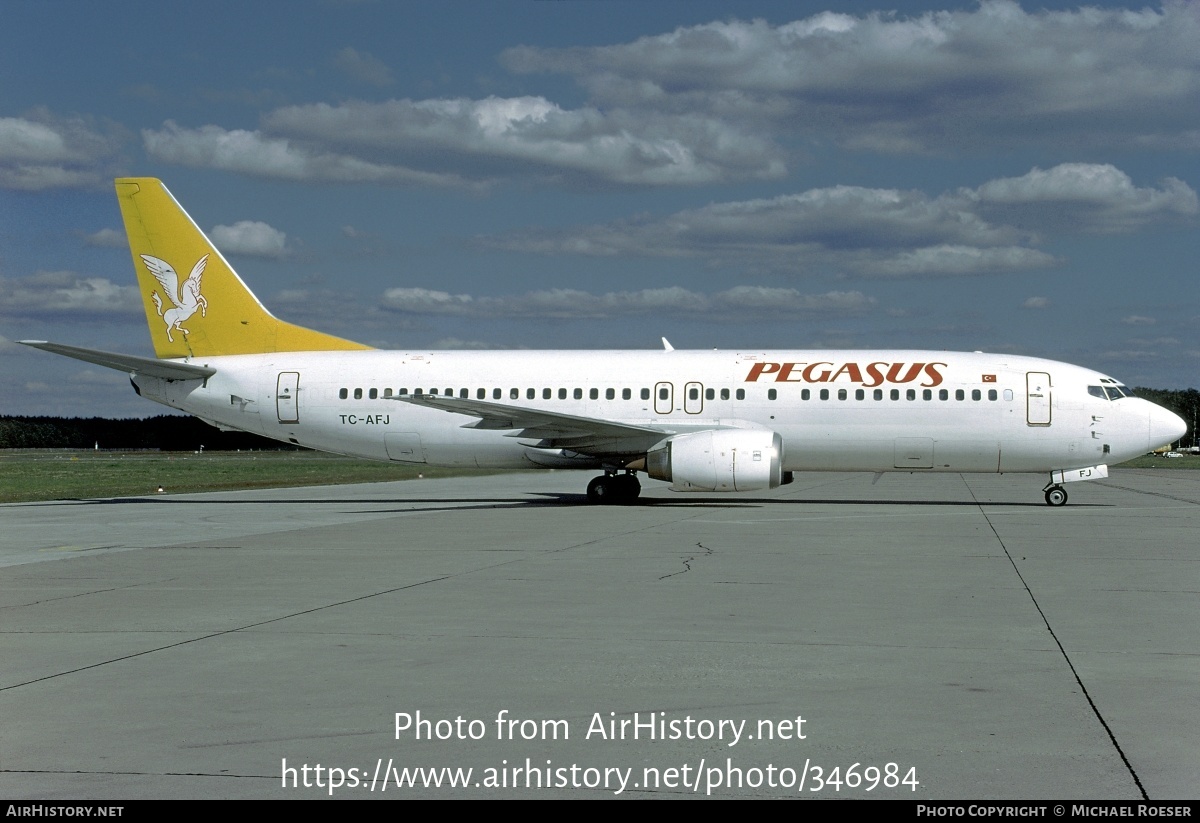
1153,343
427,301
455,140
1130,356
874,232
253,154
494,133
1036,303
1087,197
63,292
363,67
459,343
250,237
934,261
888,82
107,238
574,303
1138,320
886,232
42,151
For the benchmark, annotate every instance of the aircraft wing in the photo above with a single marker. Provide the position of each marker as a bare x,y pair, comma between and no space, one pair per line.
553,430
149,366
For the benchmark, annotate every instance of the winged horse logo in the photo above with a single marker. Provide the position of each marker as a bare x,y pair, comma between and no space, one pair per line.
186,297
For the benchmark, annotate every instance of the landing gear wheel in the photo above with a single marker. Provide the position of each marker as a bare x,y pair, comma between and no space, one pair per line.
1056,496
629,487
602,489
611,489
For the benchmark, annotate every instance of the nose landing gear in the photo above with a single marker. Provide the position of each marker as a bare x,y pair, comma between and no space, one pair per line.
1056,495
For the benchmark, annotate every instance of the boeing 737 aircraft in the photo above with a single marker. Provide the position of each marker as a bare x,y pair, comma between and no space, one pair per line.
700,420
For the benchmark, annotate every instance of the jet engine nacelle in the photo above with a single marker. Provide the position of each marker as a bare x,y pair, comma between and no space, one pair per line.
726,460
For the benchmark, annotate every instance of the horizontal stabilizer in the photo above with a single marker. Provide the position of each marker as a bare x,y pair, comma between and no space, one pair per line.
166,369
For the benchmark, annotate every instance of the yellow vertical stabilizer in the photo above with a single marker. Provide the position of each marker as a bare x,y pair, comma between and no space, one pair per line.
195,303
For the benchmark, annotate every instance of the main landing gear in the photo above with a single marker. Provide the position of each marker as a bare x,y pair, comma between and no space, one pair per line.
1056,495
614,489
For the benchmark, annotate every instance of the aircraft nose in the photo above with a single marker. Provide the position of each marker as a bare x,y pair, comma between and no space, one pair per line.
1165,427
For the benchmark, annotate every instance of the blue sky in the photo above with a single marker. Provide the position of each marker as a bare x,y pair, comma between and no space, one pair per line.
747,175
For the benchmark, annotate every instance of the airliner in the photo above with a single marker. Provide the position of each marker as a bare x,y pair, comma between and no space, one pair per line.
715,421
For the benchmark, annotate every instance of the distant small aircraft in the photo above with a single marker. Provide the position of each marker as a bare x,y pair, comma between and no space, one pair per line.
700,420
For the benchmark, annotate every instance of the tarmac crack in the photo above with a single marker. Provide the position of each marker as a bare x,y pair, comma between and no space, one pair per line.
235,630
138,774
687,561
1066,657
1111,485
87,593
313,610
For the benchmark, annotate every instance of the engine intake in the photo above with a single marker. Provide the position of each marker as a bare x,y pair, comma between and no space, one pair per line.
725,460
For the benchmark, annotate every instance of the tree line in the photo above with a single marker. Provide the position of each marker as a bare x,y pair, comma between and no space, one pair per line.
174,433
165,433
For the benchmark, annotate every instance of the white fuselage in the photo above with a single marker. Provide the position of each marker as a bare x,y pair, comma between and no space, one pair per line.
850,410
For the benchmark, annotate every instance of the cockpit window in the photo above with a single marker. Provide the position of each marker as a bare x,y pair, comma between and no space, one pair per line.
1116,392
1109,391
1097,391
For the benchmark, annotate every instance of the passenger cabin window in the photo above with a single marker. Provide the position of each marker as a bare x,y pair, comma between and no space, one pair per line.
724,394
547,394
841,394
645,394
578,394
959,394
496,394
562,394
610,394
878,394
343,394
741,394
358,394
772,394
593,394
514,394
859,394
626,394
710,394
805,394
976,394
895,394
